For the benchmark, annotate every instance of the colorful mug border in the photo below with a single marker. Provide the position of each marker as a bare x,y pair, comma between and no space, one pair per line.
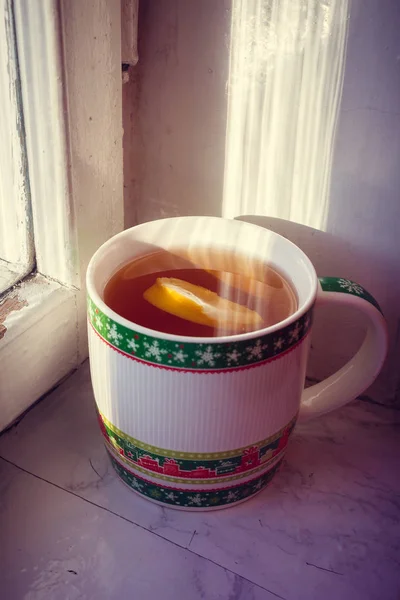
198,357
197,468
347,286
192,499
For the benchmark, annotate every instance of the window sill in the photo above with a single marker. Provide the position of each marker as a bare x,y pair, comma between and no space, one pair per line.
9,275
39,342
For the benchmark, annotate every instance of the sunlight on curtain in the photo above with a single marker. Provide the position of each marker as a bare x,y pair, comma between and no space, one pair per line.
285,84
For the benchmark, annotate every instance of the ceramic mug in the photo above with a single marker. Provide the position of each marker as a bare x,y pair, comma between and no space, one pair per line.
203,423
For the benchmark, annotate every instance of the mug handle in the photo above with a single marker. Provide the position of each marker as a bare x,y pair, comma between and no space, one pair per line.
361,370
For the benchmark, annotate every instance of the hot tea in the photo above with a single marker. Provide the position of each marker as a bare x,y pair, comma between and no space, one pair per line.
204,296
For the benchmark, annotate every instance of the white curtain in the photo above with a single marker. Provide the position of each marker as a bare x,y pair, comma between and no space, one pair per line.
285,83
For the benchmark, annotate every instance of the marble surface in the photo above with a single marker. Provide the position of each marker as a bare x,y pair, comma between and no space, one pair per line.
328,526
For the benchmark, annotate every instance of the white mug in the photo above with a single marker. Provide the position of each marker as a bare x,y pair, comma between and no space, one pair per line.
203,423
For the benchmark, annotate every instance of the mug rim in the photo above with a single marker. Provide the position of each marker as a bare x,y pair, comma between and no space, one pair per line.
249,335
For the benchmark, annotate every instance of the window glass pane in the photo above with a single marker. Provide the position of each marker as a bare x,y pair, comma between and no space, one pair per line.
16,243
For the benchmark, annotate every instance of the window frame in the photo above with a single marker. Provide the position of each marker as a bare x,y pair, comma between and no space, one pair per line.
70,72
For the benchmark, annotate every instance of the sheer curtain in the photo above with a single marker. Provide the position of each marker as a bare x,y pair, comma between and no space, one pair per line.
286,71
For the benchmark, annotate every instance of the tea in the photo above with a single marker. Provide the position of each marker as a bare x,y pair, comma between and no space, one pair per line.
203,295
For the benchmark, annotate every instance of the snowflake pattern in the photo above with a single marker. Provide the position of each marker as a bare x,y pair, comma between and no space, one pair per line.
351,287
113,335
257,486
256,351
133,345
294,333
196,500
233,357
171,496
207,356
98,322
154,350
179,356
279,343
231,496
197,356
346,286
136,485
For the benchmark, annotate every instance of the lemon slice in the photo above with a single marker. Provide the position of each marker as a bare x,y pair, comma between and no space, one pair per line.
200,305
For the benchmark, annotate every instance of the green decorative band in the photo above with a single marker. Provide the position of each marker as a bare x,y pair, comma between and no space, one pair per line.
346,286
174,496
193,481
171,465
197,357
